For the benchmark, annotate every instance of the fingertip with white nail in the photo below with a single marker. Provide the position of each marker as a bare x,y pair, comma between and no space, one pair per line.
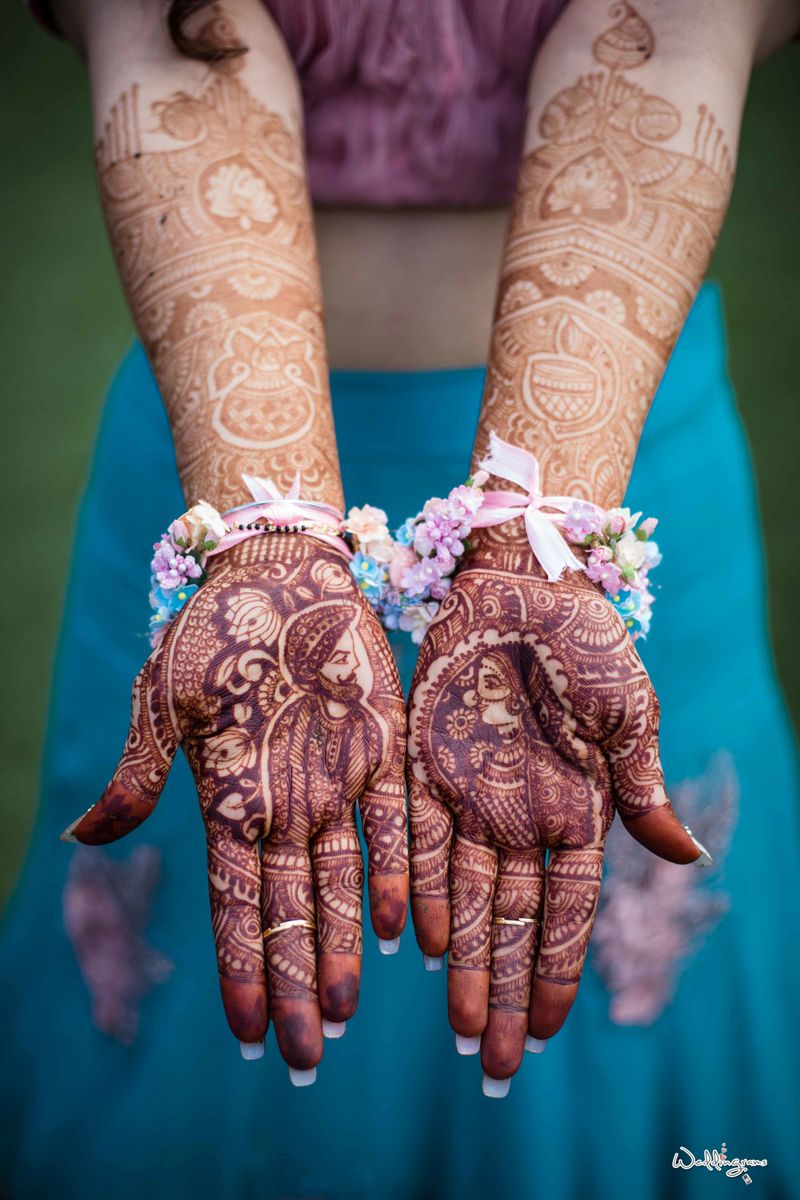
704,859
251,1050
389,945
495,1089
467,1045
333,1029
432,962
535,1045
302,1078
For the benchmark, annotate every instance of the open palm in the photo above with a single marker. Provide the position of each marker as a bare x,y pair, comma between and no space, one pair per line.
277,680
531,720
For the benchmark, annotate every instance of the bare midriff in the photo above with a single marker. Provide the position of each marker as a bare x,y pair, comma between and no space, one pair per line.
409,290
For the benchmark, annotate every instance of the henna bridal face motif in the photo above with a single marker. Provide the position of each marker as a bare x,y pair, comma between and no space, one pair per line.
532,719
213,237
277,680
610,235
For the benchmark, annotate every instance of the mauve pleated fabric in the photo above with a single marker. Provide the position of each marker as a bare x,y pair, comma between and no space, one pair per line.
409,102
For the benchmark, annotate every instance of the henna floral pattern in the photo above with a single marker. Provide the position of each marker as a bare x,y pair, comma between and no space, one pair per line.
214,243
532,720
610,235
278,682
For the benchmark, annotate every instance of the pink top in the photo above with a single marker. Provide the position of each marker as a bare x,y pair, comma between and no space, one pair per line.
411,102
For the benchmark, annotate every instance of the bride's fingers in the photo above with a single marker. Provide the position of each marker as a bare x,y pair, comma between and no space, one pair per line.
142,770
338,881
473,868
638,783
289,928
383,819
515,935
234,886
431,833
572,888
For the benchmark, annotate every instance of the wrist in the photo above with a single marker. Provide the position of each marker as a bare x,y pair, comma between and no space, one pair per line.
287,548
506,548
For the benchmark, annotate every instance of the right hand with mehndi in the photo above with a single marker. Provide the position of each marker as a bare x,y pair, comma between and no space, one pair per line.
532,720
277,680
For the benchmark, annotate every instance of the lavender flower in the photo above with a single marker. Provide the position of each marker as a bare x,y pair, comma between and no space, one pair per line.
583,520
417,580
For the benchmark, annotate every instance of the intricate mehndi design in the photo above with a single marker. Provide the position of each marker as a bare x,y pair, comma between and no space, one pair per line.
532,718
278,682
610,235
214,243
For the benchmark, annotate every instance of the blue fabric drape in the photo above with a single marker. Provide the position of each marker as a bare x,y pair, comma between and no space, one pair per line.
395,1113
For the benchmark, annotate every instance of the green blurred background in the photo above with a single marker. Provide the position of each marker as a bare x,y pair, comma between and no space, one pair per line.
65,326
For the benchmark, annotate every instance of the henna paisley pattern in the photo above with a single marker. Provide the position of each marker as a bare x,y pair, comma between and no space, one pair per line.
531,720
279,684
212,232
610,235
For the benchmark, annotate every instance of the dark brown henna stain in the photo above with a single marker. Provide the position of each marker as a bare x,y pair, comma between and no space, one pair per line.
298,1029
277,680
339,1000
388,897
142,771
531,718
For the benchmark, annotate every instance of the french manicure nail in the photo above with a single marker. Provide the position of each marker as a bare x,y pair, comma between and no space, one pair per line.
302,1078
705,859
251,1050
467,1045
535,1045
67,835
432,963
333,1029
495,1089
389,945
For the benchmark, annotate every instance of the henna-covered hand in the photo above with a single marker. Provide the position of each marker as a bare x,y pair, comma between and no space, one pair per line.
532,719
277,680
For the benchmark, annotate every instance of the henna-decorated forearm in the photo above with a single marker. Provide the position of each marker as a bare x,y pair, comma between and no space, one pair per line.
611,232
204,192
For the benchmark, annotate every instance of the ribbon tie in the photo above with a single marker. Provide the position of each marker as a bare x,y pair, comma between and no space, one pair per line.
546,541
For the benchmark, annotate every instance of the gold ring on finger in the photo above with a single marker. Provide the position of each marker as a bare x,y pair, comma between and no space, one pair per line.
296,923
516,921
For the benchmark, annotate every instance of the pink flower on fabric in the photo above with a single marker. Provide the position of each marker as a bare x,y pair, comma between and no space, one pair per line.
648,527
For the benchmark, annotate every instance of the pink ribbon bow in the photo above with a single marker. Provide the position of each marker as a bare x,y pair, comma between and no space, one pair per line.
269,503
546,541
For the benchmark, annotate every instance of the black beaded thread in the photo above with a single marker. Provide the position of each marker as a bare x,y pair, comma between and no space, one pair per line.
258,528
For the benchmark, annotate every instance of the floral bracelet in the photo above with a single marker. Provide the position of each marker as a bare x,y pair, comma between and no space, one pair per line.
405,576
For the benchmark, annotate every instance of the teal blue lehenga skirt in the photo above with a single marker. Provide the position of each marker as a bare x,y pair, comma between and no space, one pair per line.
685,1030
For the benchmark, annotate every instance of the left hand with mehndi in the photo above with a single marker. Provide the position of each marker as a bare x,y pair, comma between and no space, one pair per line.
277,681
532,720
